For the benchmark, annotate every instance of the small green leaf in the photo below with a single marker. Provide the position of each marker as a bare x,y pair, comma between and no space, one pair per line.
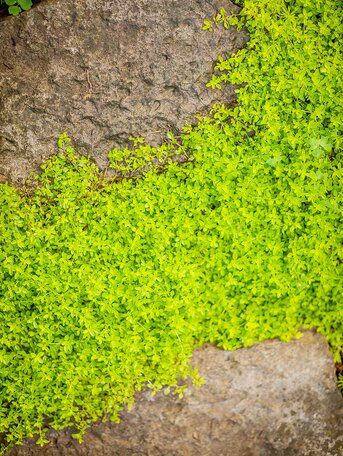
25,4
207,25
14,10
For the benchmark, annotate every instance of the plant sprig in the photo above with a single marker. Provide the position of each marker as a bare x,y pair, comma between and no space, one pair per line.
15,7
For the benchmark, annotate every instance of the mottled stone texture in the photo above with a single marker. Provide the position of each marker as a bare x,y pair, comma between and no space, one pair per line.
104,70
274,399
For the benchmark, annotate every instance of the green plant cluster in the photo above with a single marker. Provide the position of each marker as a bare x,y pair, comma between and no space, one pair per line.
133,162
106,287
15,7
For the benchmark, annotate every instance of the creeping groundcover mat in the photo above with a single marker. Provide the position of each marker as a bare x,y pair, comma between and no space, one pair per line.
107,286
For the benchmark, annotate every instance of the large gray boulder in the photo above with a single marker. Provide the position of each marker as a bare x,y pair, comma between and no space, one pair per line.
274,399
103,71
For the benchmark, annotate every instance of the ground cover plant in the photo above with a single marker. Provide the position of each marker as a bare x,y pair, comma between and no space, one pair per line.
106,287
15,7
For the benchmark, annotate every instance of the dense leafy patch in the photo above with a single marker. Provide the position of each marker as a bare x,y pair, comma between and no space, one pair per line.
106,287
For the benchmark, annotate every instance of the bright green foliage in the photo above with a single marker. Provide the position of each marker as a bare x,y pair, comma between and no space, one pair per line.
15,7
107,287
340,382
128,162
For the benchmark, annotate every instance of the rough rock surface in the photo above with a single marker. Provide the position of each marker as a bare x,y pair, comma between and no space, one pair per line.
274,399
103,71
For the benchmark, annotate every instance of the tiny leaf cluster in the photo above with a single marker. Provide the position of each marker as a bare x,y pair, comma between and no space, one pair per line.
15,7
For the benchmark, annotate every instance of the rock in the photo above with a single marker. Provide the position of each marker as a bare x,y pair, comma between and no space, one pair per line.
272,399
103,71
